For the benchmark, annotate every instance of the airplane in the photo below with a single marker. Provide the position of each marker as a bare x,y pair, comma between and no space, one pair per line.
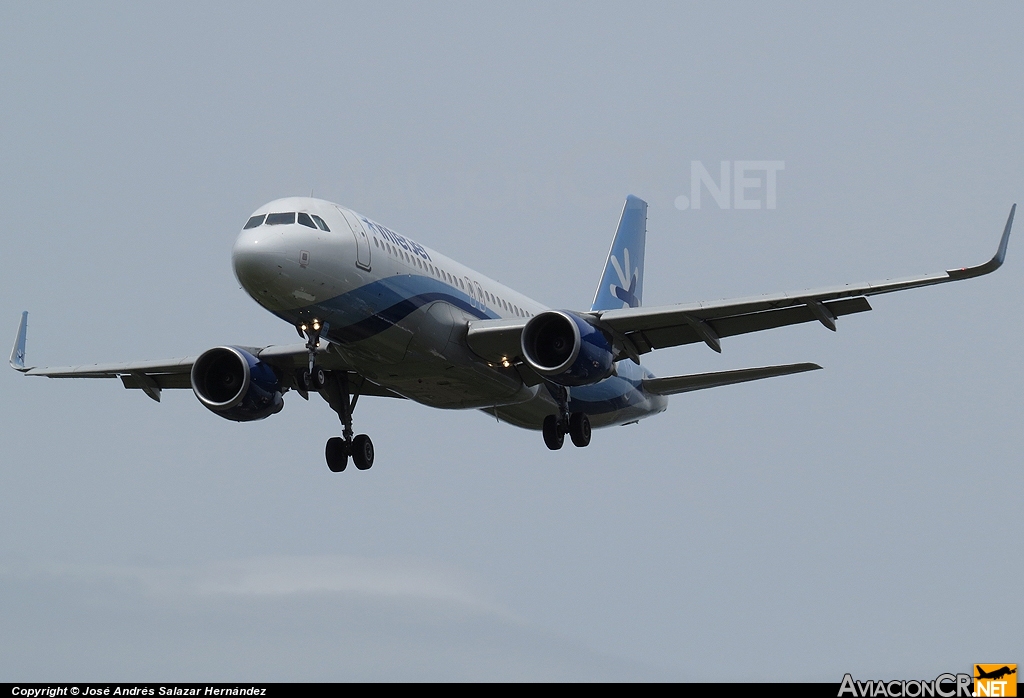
383,315
995,674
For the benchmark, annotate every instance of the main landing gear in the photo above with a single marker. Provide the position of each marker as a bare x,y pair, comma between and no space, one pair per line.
576,425
343,401
334,387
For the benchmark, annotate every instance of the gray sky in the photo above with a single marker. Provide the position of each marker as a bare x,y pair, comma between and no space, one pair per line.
854,519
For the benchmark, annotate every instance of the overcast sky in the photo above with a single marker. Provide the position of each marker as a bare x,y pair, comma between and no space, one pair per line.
862,519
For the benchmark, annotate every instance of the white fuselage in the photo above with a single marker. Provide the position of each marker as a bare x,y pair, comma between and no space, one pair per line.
397,311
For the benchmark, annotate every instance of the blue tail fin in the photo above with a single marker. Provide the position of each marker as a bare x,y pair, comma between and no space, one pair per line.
622,284
18,353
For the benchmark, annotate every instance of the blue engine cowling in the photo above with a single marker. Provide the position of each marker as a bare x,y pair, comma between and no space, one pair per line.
566,349
236,385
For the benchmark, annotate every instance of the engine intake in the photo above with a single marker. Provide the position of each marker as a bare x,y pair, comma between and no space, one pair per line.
567,349
236,385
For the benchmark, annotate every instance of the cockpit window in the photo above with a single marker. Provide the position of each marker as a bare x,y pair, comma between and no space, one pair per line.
305,220
320,222
280,218
254,222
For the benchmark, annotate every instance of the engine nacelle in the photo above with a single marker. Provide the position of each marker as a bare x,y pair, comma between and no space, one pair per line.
236,385
566,349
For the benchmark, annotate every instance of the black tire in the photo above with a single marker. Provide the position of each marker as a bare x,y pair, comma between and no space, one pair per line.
579,429
336,454
307,381
319,378
362,452
554,435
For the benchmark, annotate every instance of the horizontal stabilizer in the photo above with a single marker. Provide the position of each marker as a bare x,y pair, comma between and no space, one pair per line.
672,385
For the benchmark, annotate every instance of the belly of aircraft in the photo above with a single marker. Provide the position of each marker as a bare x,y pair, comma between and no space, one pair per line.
422,355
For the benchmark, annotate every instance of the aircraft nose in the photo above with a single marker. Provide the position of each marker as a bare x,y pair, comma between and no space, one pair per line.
257,257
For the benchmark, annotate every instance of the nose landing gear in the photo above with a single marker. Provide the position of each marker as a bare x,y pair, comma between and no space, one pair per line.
334,387
336,391
313,378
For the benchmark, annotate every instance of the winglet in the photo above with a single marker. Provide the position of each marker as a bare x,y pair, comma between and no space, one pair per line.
992,264
18,353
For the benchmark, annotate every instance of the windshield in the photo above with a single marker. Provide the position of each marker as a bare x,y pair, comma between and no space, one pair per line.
280,218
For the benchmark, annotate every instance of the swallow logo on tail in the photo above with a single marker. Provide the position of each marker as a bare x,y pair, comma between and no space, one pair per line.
625,291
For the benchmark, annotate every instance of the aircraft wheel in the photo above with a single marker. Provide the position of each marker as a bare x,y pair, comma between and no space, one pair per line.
579,429
337,454
314,381
554,436
362,452
319,378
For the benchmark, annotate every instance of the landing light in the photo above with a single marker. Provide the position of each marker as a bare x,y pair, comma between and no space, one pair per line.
302,327
316,325
505,362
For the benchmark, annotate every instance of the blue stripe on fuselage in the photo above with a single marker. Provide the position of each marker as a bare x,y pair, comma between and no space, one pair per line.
371,309
366,311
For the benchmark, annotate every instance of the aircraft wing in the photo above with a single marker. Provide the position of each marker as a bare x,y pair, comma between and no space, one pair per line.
154,376
636,331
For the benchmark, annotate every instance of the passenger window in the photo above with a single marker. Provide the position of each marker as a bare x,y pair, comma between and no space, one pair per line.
254,222
305,220
280,218
323,226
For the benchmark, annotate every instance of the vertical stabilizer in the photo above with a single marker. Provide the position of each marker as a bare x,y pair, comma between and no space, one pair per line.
18,353
622,284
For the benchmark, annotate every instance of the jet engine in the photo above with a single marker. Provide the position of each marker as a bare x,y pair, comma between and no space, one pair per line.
566,349
236,385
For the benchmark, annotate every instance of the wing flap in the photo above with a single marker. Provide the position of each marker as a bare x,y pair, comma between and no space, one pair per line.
673,385
163,381
113,370
682,332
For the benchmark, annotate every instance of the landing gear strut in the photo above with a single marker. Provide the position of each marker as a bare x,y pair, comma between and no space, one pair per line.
313,378
576,424
342,399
